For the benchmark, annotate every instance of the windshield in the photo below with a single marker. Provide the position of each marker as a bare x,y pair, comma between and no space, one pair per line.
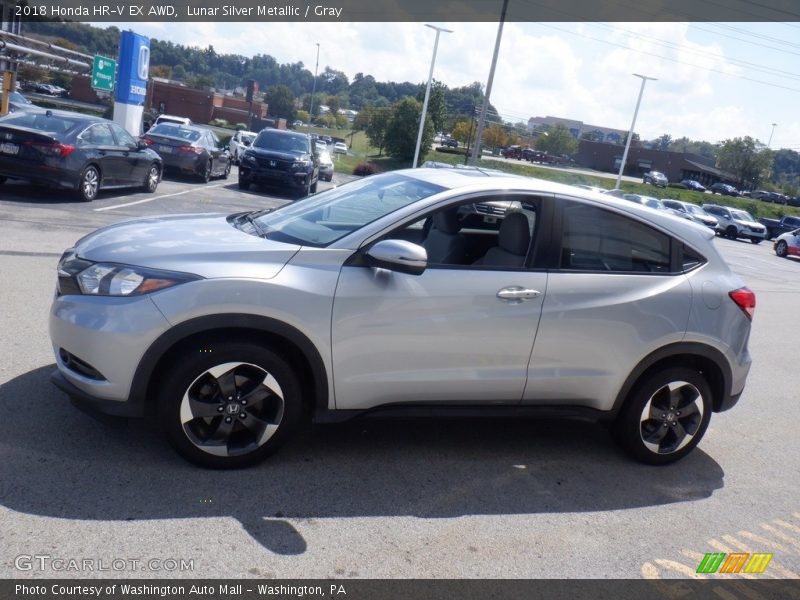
17,97
284,142
247,138
175,131
693,208
741,215
327,217
652,202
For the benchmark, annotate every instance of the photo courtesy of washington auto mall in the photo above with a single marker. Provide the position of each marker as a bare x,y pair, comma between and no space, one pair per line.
371,299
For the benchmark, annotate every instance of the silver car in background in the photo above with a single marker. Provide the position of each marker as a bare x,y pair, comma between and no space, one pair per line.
380,295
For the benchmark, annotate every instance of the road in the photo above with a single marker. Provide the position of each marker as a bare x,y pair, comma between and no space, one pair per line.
437,499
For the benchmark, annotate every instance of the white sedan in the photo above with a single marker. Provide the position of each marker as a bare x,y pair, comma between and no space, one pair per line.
240,142
788,244
340,148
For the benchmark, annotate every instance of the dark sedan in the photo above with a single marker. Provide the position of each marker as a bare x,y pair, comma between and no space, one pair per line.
281,158
694,185
74,151
724,189
190,149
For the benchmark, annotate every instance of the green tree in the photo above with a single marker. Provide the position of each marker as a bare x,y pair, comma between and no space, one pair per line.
495,137
401,132
437,108
558,141
302,115
746,159
280,102
663,143
378,122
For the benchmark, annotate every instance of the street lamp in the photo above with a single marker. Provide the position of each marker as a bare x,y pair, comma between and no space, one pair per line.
633,124
313,91
774,125
427,93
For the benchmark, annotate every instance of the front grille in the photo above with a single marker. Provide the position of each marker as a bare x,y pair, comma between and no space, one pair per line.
280,165
490,209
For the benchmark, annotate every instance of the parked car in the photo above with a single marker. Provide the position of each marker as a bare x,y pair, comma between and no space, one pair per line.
240,141
74,151
281,158
340,148
694,185
776,227
734,223
724,189
592,188
450,143
17,102
234,329
325,166
512,152
650,201
297,123
190,149
657,178
172,119
693,212
787,244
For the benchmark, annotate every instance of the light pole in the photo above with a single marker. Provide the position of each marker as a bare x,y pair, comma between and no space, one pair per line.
633,124
313,91
427,93
774,125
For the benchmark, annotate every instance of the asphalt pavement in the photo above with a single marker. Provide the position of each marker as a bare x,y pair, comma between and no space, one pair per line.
436,499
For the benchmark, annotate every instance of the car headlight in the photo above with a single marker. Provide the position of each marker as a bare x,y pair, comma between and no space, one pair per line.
301,163
78,276
248,158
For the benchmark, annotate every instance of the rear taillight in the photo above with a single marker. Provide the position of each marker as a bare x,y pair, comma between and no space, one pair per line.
190,150
148,141
744,299
53,148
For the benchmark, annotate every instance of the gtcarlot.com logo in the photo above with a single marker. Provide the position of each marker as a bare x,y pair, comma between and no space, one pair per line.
46,562
738,562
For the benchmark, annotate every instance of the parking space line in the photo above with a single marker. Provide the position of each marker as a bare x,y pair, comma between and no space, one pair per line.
103,208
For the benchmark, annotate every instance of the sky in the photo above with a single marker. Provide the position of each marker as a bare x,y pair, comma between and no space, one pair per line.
715,81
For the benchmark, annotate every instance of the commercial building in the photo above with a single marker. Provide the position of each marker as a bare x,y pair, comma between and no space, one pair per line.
578,129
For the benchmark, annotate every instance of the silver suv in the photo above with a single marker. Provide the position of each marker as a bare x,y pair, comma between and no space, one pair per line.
734,223
381,295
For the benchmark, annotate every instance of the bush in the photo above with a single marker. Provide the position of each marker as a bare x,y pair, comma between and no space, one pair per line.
679,186
219,123
364,169
241,127
449,150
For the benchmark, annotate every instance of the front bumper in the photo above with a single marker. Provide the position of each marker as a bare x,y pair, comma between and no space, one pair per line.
293,179
98,343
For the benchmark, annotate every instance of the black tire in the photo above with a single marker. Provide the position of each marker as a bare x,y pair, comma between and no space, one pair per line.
227,170
89,184
206,426
151,179
782,249
313,188
244,184
731,232
672,432
205,176
755,240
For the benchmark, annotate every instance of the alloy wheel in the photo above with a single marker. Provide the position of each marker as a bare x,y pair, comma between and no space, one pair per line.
671,417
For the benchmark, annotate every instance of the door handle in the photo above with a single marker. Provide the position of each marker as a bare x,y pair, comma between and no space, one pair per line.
517,293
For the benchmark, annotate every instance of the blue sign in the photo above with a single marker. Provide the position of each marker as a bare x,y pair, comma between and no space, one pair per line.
134,67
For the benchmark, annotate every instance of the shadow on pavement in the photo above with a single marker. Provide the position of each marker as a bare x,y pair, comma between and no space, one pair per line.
58,462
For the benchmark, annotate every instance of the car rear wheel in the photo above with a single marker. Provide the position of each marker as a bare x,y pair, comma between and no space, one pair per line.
206,174
665,416
731,232
230,404
782,249
151,179
755,240
89,184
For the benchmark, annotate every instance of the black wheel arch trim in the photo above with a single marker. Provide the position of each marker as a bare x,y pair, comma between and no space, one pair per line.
682,353
252,326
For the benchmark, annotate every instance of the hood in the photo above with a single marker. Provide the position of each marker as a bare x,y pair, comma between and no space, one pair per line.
205,245
279,154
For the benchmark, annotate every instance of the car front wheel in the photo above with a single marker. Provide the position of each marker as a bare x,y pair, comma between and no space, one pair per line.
89,184
230,404
755,240
665,416
151,179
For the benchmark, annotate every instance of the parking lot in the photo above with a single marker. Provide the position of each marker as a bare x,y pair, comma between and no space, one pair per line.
498,499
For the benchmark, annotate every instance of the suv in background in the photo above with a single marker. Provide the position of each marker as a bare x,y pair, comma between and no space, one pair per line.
734,223
657,178
281,158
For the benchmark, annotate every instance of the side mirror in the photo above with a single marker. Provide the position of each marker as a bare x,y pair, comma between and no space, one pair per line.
140,145
398,255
